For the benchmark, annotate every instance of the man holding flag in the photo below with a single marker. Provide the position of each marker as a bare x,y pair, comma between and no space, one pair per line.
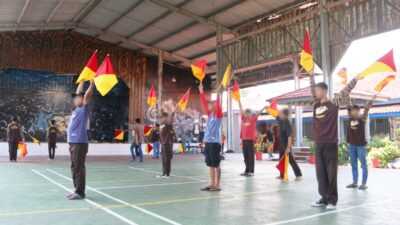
248,134
212,139
285,143
78,139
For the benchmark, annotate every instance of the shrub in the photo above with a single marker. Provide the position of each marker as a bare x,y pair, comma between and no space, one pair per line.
384,150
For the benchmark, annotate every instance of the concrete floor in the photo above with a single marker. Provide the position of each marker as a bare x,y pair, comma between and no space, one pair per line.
128,193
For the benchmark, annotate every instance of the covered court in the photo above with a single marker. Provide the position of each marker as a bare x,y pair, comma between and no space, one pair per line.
157,53
121,193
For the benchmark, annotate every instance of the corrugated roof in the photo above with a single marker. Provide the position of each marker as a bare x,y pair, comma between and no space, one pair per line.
185,28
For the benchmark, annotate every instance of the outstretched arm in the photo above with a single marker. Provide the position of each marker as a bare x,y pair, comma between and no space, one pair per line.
218,108
203,101
367,107
89,93
343,95
312,86
241,107
261,110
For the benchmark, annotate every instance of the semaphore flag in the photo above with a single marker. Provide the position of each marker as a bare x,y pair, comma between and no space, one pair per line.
199,69
105,78
236,91
306,55
119,135
383,83
182,103
152,98
226,79
283,167
89,71
384,65
273,108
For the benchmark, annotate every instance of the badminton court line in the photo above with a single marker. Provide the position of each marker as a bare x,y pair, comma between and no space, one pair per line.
157,172
87,200
119,200
325,213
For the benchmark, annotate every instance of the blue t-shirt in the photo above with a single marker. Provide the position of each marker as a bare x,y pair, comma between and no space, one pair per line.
77,127
213,130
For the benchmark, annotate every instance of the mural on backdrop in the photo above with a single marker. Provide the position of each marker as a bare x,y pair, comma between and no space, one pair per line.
36,97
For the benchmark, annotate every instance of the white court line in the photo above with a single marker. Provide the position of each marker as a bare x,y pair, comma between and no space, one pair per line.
174,183
157,172
87,200
121,201
325,213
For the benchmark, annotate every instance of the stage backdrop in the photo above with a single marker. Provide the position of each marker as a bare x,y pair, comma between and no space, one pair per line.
36,97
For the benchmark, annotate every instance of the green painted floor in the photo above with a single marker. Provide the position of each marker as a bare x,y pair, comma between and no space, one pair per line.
119,192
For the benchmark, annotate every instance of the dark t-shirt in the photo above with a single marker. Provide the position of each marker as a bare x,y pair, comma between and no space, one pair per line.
285,131
356,132
14,132
167,134
52,135
155,135
325,117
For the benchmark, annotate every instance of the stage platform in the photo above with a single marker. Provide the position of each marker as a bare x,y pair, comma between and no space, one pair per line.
120,192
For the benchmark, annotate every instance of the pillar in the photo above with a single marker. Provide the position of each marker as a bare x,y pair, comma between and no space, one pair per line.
159,78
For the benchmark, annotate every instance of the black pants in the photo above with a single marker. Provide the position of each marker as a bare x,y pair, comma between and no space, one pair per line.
248,154
292,162
52,150
326,159
78,170
12,150
166,157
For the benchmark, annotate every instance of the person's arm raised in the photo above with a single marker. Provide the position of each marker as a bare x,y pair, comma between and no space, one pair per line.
89,93
367,107
203,100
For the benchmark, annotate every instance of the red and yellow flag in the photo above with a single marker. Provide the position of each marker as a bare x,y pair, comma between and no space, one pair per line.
182,103
149,148
105,78
226,79
383,83
119,135
306,55
273,108
343,75
236,91
384,65
89,71
199,69
147,130
23,149
283,167
152,98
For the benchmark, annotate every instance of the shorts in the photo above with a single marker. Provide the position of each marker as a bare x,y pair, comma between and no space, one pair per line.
212,152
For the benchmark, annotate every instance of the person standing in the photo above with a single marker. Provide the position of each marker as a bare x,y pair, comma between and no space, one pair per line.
248,135
78,139
155,139
14,136
167,137
52,132
286,142
357,142
325,124
138,140
212,139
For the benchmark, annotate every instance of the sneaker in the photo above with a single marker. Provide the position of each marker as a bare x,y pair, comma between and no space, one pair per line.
363,187
160,176
214,189
299,178
166,177
319,203
75,196
352,186
330,207
243,174
250,175
69,195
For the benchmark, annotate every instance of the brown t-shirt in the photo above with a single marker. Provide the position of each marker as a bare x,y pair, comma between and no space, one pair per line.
14,132
356,132
52,134
325,116
167,134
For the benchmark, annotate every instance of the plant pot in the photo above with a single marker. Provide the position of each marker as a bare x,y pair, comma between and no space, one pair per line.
376,163
311,159
259,155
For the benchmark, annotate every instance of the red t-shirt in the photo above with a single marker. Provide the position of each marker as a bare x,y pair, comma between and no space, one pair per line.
248,130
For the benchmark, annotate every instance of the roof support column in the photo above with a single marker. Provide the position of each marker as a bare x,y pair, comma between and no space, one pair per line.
298,108
325,49
160,78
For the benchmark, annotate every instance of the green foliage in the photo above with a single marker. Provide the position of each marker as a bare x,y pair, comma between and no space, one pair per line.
309,143
384,149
